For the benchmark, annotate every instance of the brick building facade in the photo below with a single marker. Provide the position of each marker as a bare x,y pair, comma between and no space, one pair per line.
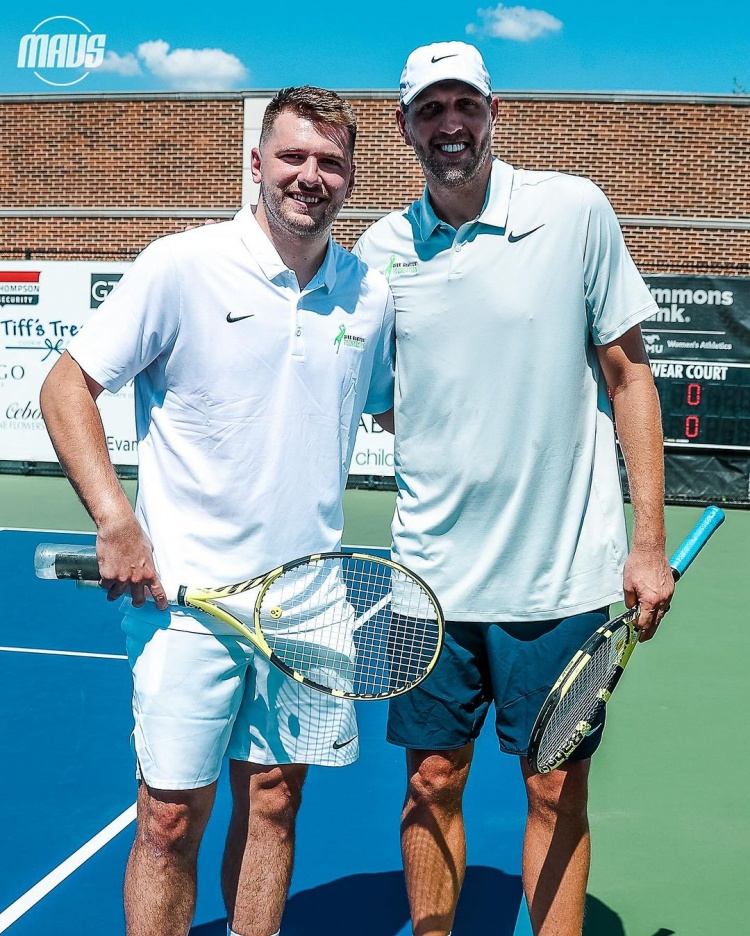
89,176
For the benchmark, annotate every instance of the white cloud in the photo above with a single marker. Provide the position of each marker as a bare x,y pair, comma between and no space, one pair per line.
183,69
192,69
120,64
517,23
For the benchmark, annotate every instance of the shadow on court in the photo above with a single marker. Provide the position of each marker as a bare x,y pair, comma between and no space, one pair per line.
601,921
378,904
490,902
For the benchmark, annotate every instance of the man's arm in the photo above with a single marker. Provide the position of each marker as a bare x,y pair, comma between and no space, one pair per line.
68,403
647,577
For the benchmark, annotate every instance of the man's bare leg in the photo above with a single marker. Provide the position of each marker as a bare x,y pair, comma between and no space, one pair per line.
160,880
557,848
259,854
433,843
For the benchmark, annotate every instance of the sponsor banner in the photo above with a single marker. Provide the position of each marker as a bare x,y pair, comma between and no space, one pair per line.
699,347
42,305
373,451
19,287
703,325
700,318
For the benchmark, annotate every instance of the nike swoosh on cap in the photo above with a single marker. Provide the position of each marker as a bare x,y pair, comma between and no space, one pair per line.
512,238
441,57
238,318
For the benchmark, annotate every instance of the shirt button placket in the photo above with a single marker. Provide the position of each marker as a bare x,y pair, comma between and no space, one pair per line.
455,264
298,338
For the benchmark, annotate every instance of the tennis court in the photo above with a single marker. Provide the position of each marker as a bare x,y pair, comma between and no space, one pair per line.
669,809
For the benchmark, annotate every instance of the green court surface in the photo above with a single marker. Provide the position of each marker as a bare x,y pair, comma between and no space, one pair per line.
669,804
49,503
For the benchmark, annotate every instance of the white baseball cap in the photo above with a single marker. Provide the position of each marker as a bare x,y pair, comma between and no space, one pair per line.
443,61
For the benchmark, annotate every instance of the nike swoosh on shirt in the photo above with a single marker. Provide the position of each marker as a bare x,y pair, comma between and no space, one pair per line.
340,744
238,318
513,238
441,57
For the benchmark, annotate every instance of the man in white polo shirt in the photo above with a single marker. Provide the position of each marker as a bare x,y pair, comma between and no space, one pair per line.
247,407
517,307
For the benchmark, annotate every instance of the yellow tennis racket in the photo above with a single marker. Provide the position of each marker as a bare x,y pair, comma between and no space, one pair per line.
574,706
348,624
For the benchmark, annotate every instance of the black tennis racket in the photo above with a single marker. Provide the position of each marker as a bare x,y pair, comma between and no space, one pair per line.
348,624
575,703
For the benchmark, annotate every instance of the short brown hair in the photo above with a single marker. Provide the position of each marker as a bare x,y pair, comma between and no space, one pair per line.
317,104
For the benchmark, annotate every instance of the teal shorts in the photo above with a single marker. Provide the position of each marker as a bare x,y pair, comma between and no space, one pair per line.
512,665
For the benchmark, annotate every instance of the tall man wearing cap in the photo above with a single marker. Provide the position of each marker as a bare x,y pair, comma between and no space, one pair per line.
517,307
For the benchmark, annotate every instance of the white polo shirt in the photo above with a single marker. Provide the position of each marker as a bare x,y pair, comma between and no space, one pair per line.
248,394
509,502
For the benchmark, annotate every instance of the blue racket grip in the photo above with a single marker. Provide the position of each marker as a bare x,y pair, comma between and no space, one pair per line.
710,521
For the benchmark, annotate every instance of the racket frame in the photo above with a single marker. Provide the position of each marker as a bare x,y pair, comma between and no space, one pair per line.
566,679
710,520
202,599
67,561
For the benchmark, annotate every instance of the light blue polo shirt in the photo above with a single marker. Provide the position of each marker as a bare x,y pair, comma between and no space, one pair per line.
509,502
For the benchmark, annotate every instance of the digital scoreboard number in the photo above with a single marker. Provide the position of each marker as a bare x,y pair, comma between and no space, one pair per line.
704,404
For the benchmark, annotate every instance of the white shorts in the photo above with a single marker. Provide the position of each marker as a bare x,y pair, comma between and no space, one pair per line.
198,698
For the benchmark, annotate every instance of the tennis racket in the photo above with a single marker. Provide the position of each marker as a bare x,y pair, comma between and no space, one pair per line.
575,703
348,624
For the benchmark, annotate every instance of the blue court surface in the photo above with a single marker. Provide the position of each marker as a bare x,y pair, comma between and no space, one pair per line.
67,808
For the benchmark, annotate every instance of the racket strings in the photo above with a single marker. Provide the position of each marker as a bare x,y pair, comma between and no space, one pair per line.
351,624
581,703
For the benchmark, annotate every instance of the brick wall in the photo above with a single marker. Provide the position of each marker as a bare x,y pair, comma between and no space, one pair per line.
83,238
667,250
663,159
113,153
120,153
679,158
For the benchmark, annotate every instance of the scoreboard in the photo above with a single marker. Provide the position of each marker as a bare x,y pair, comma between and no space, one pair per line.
699,347
704,404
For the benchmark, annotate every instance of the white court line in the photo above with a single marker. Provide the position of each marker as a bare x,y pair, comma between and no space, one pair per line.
32,897
76,653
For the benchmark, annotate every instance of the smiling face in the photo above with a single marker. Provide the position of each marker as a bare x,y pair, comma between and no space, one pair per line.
449,125
305,171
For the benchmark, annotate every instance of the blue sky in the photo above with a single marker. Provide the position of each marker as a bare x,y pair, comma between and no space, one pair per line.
548,45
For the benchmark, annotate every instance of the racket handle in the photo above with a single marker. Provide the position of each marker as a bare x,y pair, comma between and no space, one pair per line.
710,521
64,561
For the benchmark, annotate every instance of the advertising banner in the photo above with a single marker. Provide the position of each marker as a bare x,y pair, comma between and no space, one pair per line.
705,318
699,347
42,305
698,344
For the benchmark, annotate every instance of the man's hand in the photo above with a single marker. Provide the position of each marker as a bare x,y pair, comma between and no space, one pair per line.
126,563
648,582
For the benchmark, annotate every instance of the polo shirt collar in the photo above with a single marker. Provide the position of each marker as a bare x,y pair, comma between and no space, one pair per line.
326,275
267,257
496,203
